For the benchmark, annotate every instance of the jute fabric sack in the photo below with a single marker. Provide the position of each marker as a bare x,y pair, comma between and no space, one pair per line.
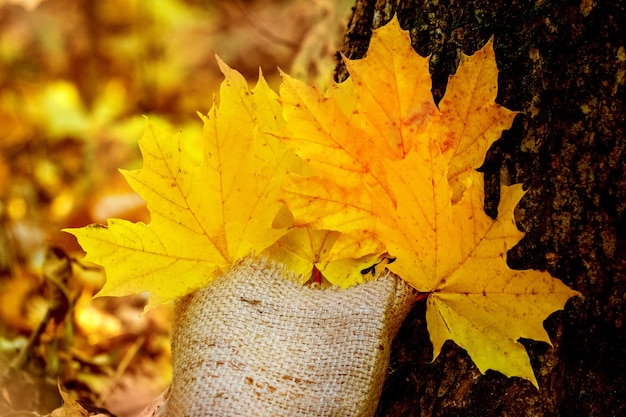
254,344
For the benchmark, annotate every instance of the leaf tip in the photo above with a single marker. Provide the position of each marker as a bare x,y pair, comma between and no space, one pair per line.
77,231
221,64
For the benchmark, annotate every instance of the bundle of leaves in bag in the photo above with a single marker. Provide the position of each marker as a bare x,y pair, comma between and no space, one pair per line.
369,177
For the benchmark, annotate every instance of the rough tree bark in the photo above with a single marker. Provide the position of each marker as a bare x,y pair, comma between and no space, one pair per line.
563,66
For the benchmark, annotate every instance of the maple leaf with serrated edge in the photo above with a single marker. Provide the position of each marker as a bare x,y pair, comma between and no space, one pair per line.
346,131
410,184
334,134
212,200
457,254
304,249
469,120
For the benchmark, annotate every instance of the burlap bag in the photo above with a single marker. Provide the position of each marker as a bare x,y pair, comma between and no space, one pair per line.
254,344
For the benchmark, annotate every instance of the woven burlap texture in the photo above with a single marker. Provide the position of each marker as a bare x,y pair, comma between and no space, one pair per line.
254,344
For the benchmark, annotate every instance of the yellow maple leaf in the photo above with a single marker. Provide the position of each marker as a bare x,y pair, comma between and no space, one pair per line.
470,120
457,254
410,184
304,249
325,202
322,128
212,199
348,131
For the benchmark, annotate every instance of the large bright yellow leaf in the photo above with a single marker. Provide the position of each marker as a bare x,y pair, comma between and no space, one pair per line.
346,134
412,185
212,200
457,254
377,113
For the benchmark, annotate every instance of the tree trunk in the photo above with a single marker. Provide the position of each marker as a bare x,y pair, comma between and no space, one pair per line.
563,66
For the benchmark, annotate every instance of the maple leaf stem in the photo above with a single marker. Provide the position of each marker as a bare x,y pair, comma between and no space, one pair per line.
317,275
421,296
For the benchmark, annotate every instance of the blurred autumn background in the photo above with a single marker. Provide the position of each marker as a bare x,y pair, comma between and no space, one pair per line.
77,78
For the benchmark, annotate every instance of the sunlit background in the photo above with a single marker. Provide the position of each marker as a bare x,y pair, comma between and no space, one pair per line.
77,78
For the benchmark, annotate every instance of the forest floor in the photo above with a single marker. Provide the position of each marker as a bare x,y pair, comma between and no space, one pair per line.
77,79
